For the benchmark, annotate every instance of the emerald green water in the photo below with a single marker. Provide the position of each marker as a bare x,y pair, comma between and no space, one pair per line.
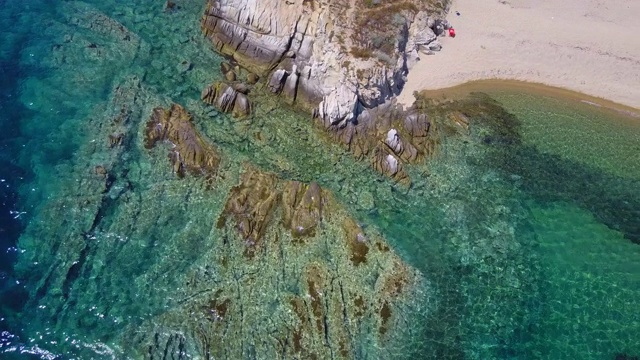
526,227
593,136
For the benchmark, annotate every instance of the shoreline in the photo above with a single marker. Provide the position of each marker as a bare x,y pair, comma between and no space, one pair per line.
494,85
582,46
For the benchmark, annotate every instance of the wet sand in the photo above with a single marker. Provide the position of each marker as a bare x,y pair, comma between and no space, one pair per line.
513,86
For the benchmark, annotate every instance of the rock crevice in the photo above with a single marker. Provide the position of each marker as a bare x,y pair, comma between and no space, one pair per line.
335,58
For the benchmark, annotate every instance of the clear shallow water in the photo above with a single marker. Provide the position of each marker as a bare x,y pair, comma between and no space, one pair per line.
524,231
578,131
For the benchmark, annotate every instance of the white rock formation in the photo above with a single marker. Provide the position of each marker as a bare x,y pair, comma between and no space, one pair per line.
304,47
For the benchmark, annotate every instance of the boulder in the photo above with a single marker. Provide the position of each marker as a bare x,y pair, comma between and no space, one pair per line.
339,107
290,87
252,78
425,50
241,106
225,67
277,81
435,45
230,76
393,141
190,152
420,32
229,99
389,165
241,88
417,125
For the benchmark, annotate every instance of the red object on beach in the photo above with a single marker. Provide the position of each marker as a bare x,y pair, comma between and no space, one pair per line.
452,32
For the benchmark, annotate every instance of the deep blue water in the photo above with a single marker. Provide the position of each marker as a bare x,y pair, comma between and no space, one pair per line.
11,215
13,175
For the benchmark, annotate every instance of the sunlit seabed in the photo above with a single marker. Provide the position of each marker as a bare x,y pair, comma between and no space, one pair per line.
579,131
526,241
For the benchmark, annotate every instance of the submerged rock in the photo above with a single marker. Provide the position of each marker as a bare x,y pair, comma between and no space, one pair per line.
389,165
304,299
250,205
252,78
189,151
184,66
225,67
306,211
230,76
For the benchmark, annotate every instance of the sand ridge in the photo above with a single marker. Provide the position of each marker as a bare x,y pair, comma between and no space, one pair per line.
589,46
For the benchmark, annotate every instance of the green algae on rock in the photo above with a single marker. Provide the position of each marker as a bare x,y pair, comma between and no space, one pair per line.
251,204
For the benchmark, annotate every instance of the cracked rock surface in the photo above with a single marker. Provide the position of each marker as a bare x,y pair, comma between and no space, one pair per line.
336,58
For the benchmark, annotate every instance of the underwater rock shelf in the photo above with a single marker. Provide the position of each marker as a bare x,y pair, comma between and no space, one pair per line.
294,276
289,262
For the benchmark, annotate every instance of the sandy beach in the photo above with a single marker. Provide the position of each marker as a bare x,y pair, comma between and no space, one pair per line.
588,46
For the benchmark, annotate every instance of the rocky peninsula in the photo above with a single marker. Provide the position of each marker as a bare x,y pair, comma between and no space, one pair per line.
337,58
345,62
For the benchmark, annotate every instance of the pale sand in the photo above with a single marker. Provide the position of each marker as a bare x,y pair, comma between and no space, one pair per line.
588,46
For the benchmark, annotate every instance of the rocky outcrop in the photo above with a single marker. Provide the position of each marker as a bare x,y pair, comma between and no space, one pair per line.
293,276
189,151
422,36
228,98
335,57
388,164
389,138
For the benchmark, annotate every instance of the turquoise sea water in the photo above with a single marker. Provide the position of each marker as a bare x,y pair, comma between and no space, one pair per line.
526,227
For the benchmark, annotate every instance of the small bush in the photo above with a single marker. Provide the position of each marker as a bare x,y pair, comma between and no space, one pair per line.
362,53
377,41
371,3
